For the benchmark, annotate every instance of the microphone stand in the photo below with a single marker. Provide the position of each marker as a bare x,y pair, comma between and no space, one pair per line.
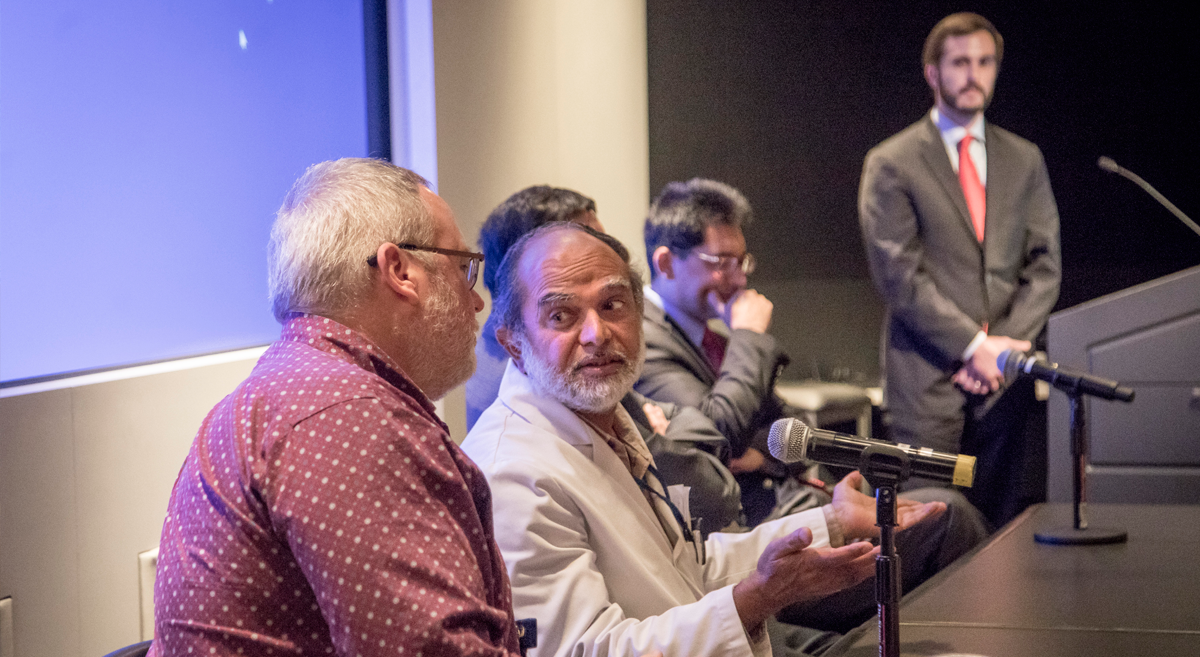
1107,164
1080,533
884,467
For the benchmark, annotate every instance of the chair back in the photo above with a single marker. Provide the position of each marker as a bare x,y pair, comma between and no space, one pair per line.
135,650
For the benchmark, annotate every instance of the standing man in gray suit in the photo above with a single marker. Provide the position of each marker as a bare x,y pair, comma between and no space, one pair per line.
961,231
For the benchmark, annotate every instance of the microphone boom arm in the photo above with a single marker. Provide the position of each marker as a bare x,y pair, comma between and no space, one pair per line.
1108,164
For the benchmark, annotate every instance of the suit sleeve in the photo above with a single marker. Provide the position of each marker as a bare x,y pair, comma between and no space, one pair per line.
735,402
689,454
688,424
1039,279
891,233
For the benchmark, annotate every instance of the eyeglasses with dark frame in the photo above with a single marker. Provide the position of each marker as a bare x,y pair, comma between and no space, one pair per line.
474,260
745,262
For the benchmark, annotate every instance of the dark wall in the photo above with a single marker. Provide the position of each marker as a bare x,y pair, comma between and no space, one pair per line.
783,99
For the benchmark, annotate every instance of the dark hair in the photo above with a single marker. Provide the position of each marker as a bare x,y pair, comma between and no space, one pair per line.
683,210
960,24
520,213
509,297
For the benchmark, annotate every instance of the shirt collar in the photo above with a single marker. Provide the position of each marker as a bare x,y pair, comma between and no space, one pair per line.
344,342
626,432
952,133
692,329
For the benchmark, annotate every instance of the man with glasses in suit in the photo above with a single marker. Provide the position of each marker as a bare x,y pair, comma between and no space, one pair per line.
698,268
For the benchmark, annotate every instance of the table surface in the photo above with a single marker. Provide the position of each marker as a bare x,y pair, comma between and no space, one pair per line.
1014,596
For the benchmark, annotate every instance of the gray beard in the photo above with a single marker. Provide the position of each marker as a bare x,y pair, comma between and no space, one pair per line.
573,390
441,344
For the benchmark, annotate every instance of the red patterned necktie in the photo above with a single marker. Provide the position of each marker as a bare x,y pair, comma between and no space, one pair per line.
973,190
713,345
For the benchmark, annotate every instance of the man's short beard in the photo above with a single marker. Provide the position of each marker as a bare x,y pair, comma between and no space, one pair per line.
952,99
572,389
441,345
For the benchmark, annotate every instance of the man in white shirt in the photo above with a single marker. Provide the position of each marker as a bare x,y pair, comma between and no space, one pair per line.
598,551
961,231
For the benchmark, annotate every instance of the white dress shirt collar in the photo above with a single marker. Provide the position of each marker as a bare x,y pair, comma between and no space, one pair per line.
693,329
952,133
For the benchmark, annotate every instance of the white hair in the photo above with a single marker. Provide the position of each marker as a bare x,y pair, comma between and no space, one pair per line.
334,218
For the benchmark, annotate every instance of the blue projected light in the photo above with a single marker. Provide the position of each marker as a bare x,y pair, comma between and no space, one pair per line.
144,148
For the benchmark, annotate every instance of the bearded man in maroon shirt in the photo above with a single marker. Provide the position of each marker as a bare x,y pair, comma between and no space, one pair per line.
323,508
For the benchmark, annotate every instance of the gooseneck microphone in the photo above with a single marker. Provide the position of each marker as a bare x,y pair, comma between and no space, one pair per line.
1015,363
791,440
1109,165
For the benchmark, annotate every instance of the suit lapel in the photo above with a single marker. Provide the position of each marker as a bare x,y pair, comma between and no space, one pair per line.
618,475
695,360
560,422
933,153
1003,175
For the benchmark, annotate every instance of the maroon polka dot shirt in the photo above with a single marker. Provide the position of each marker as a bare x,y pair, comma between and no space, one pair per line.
323,509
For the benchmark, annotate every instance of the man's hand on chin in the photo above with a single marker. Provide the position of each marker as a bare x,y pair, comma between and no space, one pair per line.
746,309
856,511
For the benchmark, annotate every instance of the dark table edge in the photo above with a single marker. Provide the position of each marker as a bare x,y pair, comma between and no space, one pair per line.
852,637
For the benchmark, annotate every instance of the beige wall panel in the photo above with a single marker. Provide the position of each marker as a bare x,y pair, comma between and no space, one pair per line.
541,92
132,437
603,109
85,476
38,548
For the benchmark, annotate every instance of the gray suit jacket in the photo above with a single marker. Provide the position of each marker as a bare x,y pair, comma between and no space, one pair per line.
740,399
940,284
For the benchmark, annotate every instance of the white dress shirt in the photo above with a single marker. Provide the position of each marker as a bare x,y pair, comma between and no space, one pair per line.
952,133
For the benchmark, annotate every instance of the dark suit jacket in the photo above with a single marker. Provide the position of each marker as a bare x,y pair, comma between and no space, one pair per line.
740,399
688,454
940,284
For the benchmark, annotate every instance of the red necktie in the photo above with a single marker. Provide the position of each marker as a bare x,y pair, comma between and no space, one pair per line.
973,190
713,345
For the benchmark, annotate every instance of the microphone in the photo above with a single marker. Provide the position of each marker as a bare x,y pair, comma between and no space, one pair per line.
1015,363
791,440
1109,165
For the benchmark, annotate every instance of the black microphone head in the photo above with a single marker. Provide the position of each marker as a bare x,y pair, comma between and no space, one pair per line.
788,440
1009,361
1107,164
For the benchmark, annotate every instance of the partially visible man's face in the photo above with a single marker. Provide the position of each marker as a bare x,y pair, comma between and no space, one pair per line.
966,75
701,285
444,338
582,338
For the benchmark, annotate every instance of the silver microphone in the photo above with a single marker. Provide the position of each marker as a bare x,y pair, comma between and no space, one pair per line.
791,440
